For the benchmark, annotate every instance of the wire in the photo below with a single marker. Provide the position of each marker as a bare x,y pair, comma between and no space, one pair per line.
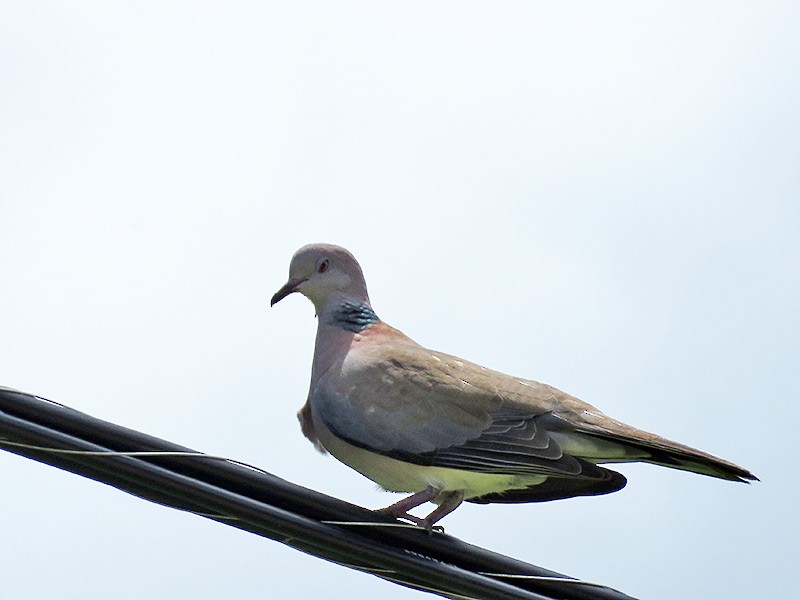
249,498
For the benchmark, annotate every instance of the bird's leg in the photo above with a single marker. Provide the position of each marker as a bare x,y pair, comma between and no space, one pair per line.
399,510
450,502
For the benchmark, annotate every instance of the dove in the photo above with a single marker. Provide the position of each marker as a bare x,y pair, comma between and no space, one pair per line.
446,430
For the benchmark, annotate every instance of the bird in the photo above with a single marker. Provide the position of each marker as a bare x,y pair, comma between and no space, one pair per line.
446,430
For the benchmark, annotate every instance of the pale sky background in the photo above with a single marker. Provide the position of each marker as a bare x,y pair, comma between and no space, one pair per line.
601,196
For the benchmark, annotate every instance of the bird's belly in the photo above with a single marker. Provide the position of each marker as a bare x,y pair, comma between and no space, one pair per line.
398,476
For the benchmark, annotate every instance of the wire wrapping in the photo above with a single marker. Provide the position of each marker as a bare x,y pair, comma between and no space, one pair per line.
253,500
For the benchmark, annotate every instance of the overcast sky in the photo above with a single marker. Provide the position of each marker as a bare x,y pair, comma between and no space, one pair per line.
600,196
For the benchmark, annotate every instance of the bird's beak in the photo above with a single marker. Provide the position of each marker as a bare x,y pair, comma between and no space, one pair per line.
290,287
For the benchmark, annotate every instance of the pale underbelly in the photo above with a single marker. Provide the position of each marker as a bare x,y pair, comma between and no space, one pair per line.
397,476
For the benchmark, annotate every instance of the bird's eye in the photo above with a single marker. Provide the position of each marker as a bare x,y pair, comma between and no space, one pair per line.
323,266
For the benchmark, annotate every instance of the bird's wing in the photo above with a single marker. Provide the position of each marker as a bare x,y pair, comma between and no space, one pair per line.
404,401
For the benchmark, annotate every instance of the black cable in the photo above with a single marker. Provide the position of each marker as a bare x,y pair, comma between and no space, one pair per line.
272,507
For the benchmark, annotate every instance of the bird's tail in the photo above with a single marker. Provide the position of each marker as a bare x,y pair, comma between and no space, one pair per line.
661,451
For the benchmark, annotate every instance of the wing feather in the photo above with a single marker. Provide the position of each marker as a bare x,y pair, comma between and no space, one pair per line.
436,410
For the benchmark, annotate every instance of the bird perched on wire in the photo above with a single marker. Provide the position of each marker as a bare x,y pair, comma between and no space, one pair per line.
448,430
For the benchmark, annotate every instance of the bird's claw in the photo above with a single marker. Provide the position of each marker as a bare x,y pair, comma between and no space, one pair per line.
419,522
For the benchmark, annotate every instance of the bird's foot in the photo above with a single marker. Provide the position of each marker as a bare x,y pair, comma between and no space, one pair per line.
399,510
448,502
406,516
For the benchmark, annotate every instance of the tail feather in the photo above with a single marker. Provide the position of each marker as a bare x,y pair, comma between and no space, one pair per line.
660,451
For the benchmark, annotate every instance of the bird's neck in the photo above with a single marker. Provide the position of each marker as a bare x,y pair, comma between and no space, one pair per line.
340,324
351,315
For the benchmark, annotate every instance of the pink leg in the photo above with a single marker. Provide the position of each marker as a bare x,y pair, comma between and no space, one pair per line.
452,500
399,510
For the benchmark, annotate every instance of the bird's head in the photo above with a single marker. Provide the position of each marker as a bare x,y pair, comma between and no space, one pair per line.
326,274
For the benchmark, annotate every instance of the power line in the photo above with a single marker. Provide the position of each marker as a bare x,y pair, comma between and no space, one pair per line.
256,501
